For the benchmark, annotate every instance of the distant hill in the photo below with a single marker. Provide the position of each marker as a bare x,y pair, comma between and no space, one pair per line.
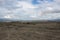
55,20
4,20
12,20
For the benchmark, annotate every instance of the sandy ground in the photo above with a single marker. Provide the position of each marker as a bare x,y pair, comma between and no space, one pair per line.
37,31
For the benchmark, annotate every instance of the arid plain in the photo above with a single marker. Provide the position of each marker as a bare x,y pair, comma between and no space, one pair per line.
29,31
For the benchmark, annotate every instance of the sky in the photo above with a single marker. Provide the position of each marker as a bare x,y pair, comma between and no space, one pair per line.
30,9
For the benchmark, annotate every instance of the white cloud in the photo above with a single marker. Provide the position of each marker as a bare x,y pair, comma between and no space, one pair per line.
8,16
25,5
25,8
57,1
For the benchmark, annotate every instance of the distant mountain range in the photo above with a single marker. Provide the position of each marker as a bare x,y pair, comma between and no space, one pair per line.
55,20
4,20
11,20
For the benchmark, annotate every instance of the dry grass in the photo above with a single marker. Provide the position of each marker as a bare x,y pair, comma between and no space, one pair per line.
30,31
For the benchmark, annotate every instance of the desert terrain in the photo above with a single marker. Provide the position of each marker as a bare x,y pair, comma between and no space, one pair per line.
29,31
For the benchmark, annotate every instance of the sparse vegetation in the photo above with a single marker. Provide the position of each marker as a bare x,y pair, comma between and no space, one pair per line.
29,31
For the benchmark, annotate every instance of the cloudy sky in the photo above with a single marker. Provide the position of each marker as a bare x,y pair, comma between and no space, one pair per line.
30,9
